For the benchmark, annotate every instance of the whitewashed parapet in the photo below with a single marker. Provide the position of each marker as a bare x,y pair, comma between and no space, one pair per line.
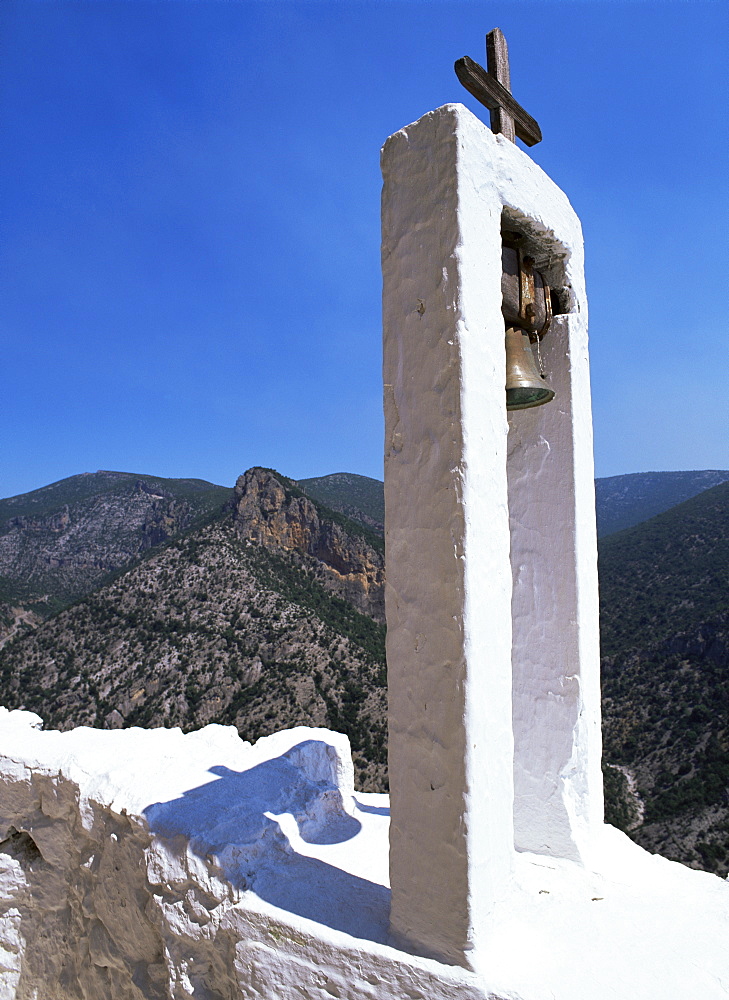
148,864
143,864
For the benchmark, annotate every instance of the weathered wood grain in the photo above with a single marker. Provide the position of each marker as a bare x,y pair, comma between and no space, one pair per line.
497,64
493,95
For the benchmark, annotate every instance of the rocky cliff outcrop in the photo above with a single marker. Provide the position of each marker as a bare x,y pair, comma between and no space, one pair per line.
270,511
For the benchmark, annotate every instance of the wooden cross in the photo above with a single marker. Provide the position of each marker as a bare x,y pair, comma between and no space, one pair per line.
493,88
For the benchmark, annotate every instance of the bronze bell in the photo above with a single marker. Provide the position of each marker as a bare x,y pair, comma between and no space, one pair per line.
527,311
525,387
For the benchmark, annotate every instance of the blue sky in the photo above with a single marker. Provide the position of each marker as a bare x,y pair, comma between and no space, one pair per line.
189,198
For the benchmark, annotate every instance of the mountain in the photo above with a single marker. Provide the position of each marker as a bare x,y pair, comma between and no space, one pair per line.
623,501
60,542
268,612
666,575
346,557
249,619
664,594
358,497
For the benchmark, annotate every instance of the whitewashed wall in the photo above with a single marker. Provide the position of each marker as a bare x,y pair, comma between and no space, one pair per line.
491,560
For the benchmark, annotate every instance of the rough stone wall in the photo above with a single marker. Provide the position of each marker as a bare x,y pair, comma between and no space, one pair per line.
75,913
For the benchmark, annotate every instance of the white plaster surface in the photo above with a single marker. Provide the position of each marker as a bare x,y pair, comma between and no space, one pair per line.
448,587
491,596
197,867
555,657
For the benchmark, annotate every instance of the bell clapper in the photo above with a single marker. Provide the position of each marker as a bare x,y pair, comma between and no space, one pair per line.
540,363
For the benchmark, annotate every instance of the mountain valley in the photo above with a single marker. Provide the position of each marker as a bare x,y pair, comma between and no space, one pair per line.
262,607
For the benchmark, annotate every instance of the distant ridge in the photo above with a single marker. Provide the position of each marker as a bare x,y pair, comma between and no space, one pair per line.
623,501
51,498
358,497
60,542
620,501
666,575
